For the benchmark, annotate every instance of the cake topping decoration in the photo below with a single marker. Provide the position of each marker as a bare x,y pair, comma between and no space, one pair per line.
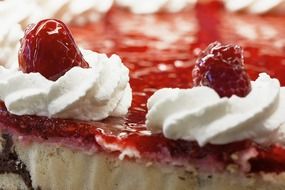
73,12
199,114
148,7
49,48
57,81
10,34
223,107
221,67
256,6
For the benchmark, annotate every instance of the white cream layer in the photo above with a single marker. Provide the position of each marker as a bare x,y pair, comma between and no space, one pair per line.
256,6
200,114
9,43
79,12
153,6
87,94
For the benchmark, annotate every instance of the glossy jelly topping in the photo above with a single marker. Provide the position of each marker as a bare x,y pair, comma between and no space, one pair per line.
49,48
160,51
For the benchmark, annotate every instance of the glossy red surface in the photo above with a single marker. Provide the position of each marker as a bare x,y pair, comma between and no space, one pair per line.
160,51
224,71
49,48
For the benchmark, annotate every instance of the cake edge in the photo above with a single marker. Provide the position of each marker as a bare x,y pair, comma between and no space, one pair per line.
53,166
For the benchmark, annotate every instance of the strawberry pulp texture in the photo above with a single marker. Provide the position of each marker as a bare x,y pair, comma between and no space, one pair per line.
221,67
153,68
49,48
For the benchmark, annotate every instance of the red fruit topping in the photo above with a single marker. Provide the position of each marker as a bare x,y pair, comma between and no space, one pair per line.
49,48
221,67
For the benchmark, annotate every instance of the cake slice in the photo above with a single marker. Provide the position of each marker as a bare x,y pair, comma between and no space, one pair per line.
46,152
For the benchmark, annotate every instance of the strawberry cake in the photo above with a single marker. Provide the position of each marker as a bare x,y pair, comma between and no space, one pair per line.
177,97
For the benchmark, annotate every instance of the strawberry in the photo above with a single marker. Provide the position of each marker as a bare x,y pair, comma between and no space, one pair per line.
221,67
49,48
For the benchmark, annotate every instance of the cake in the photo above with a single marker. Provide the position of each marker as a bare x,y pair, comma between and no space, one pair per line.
47,150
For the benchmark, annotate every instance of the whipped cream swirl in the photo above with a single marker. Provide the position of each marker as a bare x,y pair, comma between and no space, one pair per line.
87,94
79,12
200,114
153,6
9,44
256,6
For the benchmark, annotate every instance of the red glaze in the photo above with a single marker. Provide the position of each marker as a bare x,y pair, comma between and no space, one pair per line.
221,67
49,48
160,51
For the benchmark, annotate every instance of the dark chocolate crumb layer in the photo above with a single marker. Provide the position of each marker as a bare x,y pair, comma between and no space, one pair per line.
10,162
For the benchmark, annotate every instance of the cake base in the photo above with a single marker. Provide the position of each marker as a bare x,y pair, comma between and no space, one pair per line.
55,167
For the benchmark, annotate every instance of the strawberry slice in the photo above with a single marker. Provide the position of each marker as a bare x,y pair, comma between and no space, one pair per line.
49,48
221,67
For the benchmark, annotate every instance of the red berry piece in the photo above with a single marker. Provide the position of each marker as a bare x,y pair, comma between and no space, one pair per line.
221,67
49,48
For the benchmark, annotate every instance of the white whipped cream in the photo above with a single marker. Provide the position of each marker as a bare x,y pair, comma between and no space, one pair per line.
153,6
256,6
9,44
80,12
87,94
200,114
